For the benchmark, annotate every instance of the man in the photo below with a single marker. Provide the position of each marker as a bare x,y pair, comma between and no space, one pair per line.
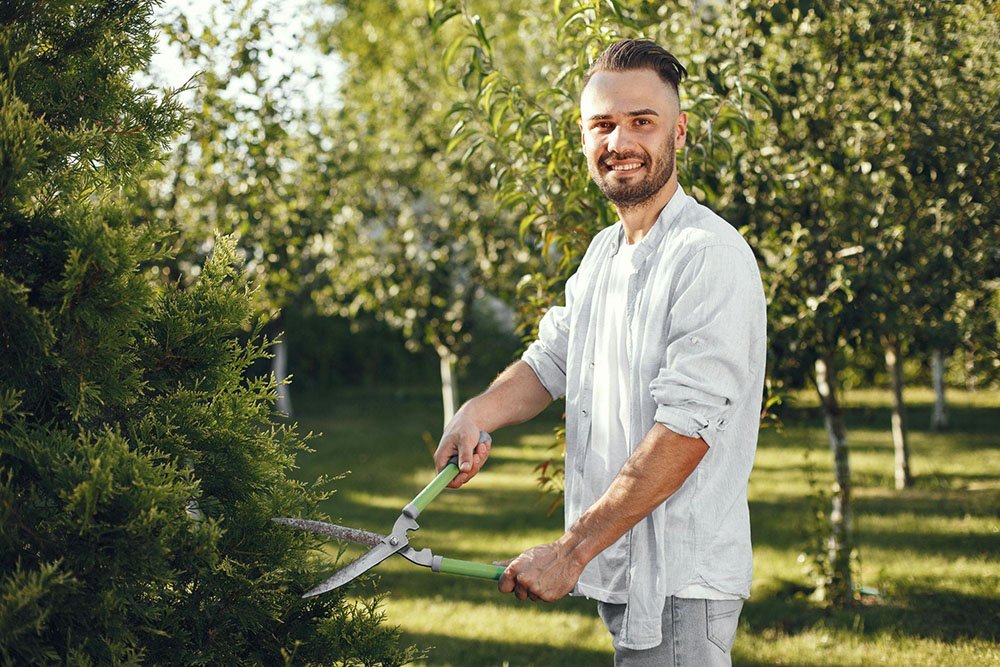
659,351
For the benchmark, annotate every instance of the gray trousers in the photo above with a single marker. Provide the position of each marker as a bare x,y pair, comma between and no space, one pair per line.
699,633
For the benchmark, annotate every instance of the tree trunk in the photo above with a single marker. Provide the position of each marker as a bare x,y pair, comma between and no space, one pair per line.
939,418
899,441
279,366
970,370
449,383
840,545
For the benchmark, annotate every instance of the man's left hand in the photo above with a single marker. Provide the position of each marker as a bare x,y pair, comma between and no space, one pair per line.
546,573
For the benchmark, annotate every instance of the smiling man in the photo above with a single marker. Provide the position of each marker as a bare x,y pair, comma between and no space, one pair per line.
659,351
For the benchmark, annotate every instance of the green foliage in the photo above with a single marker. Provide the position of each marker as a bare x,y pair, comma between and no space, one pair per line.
865,191
140,462
524,119
420,238
97,126
248,165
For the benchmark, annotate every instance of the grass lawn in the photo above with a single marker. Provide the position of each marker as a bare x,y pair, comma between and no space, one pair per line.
933,552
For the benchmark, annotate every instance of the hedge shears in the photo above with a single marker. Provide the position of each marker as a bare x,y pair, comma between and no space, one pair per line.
397,542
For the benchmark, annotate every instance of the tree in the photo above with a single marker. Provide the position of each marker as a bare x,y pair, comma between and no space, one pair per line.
937,193
139,463
521,116
808,204
848,198
421,239
248,165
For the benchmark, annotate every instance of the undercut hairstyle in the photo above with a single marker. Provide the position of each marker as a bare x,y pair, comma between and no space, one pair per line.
636,54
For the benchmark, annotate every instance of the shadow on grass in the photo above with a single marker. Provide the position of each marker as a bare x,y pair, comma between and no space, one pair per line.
953,546
779,524
964,420
917,612
448,650
421,583
932,502
784,526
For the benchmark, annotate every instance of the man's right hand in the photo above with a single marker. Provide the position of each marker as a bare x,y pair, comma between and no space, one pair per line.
462,436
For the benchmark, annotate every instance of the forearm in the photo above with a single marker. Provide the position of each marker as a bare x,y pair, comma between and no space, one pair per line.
654,471
515,396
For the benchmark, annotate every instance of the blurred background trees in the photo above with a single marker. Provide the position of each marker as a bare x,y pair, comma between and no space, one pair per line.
425,248
439,175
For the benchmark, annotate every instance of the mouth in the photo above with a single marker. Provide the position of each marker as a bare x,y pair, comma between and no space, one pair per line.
623,166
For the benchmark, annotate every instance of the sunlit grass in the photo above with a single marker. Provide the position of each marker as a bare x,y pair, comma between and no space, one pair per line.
932,552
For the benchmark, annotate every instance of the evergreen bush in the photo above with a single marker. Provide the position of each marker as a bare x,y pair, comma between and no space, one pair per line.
139,462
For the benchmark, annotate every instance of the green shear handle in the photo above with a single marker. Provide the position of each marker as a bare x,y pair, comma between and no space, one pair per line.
425,498
467,568
438,484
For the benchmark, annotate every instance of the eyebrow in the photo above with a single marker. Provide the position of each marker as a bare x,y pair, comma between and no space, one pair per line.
638,112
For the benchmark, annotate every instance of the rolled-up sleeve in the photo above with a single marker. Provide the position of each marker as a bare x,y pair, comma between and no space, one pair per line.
547,355
716,317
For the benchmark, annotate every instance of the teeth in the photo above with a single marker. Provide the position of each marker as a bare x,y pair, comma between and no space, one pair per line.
625,167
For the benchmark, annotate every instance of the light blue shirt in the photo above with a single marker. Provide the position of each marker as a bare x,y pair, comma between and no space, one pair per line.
695,347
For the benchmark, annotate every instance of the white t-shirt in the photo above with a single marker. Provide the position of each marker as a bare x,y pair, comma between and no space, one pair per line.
605,576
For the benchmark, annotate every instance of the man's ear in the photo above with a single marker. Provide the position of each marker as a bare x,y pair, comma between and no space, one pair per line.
681,130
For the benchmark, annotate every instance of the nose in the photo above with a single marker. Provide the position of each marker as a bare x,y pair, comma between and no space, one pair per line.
620,140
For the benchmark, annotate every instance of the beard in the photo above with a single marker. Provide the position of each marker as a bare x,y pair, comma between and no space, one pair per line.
631,195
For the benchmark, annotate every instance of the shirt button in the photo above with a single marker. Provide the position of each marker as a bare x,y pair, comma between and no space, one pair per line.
583,412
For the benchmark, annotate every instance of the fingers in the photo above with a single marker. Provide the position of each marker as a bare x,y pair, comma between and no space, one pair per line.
472,455
537,575
525,588
447,447
472,451
520,583
507,580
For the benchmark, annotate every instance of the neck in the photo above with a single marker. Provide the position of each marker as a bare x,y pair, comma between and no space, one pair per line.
639,219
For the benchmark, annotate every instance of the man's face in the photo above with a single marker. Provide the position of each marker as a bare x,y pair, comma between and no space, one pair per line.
631,126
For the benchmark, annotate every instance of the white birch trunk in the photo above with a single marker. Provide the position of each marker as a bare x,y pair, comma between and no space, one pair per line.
939,417
841,543
279,366
449,384
970,375
899,438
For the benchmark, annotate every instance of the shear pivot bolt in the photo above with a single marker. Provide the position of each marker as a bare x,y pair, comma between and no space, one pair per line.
393,541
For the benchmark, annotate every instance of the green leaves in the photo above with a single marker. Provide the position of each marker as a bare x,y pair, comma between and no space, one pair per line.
127,400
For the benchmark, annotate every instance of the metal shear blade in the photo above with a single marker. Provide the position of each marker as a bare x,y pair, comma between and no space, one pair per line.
397,542
369,560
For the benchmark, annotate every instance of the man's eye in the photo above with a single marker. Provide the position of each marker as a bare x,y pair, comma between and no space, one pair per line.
642,121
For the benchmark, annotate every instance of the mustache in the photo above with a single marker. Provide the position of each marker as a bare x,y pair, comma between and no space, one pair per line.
626,155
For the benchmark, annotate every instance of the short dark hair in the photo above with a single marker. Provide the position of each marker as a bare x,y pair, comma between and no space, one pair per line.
632,54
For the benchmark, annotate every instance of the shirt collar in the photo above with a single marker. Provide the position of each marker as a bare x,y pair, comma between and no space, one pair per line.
651,241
